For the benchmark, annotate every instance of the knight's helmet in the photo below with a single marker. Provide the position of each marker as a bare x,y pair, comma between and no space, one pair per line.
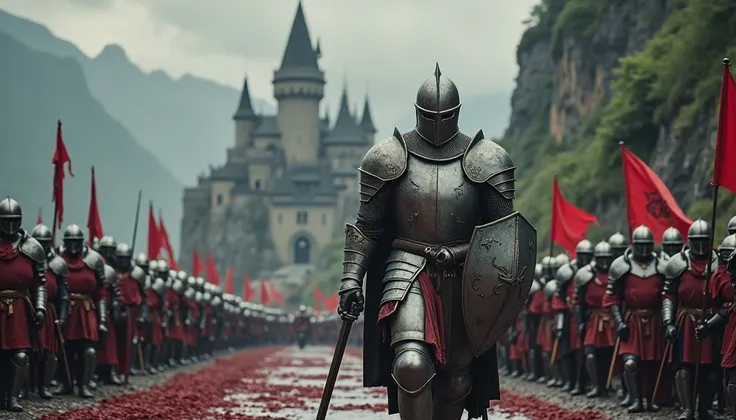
726,248
124,256
642,241
698,239
108,246
732,226
43,235
142,261
11,217
603,255
584,253
547,272
618,244
558,261
73,239
538,271
671,241
437,109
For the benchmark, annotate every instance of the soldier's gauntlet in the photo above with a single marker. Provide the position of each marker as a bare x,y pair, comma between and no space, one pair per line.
358,251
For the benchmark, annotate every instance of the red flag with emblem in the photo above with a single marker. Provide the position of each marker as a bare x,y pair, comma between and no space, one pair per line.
212,275
94,223
648,201
569,223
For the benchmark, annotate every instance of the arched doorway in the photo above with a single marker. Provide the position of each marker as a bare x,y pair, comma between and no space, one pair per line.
302,249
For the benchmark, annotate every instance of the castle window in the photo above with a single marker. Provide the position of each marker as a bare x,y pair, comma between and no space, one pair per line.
324,219
301,218
220,199
258,185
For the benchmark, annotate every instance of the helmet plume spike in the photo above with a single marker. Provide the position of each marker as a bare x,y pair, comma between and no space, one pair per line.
438,115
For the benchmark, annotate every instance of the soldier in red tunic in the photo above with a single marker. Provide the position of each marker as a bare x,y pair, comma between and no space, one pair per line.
87,322
191,320
107,355
155,356
174,319
682,311
532,322
22,300
635,283
134,308
209,321
57,310
722,300
595,322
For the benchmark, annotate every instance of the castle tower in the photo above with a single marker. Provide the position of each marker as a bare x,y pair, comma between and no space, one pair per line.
245,119
366,123
298,86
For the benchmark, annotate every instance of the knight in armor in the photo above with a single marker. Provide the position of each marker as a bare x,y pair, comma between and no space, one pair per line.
722,299
57,310
546,334
732,226
566,323
634,298
208,321
133,309
302,327
671,243
596,325
422,194
519,335
682,311
23,297
174,307
154,342
87,322
533,320
618,243
107,355
191,319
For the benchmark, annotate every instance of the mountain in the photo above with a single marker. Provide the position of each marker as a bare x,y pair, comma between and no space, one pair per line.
39,88
593,73
185,122
488,112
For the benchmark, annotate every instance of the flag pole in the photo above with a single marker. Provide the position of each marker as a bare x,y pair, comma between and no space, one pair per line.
552,220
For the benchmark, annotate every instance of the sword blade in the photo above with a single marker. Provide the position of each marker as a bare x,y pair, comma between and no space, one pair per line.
342,341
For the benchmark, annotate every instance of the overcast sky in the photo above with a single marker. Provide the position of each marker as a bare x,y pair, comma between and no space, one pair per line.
384,47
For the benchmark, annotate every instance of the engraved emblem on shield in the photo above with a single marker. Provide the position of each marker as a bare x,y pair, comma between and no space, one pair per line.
497,277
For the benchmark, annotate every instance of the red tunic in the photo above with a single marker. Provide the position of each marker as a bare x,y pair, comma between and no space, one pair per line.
131,298
16,280
536,302
545,332
192,334
48,335
83,293
209,326
643,300
599,329
517,351
176,326
155,334
722,298
689,301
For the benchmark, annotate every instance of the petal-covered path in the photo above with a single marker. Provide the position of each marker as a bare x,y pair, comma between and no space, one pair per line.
280,384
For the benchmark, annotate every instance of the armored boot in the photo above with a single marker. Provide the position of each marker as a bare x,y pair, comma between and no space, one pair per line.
633,384
184,360
413,371
19,362
135,364
48,372
149,359
533,366
567,372
580,377
707,392
684,387
731,391
113,378
89,360
623,393
503,361
453,386
516,369
559,380
592,366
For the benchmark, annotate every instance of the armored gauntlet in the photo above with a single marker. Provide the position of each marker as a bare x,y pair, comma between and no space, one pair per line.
358,252
668,318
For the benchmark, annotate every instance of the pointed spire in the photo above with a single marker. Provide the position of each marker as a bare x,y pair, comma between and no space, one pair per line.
344,118
245,107
327,114
299,51
318,49
367,121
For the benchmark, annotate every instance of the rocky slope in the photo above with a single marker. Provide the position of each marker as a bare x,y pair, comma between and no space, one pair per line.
596,72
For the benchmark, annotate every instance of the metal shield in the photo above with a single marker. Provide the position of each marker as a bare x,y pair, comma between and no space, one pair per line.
498,274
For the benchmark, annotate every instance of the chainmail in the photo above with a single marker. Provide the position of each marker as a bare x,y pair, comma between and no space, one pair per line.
372,215
424,149
496,205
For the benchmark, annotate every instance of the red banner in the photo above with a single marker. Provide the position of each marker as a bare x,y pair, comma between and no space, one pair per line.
61,156
94,223
724,165
569,223
154,236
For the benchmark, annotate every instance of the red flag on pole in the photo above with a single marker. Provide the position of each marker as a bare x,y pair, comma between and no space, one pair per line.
648,201
229,280
166,242
197,264
724,165
265,296
61,156
331,302
154,236
39,218
248,289
274,292
319,299
569,223
212,274
94,223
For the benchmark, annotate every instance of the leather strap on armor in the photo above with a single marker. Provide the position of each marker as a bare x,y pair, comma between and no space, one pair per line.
458,252
358,252
668,312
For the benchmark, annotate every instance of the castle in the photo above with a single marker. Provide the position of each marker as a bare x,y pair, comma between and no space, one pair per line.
304,169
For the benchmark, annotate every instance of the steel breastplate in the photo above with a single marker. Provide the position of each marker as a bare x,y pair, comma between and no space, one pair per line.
435,203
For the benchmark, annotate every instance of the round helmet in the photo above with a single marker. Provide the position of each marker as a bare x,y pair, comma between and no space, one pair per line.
698,238
163,268
192,282
200,283
142,261
671,241
43,235
153,266
538,271
732,226
73,239
437,109
618,244
108,245
547,266
96,243
11,217
181,275
123,251
302,308
726,248
584,253
559,261
642,241
603,255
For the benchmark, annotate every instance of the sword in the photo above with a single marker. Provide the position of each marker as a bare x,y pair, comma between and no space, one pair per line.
63,354
342,341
